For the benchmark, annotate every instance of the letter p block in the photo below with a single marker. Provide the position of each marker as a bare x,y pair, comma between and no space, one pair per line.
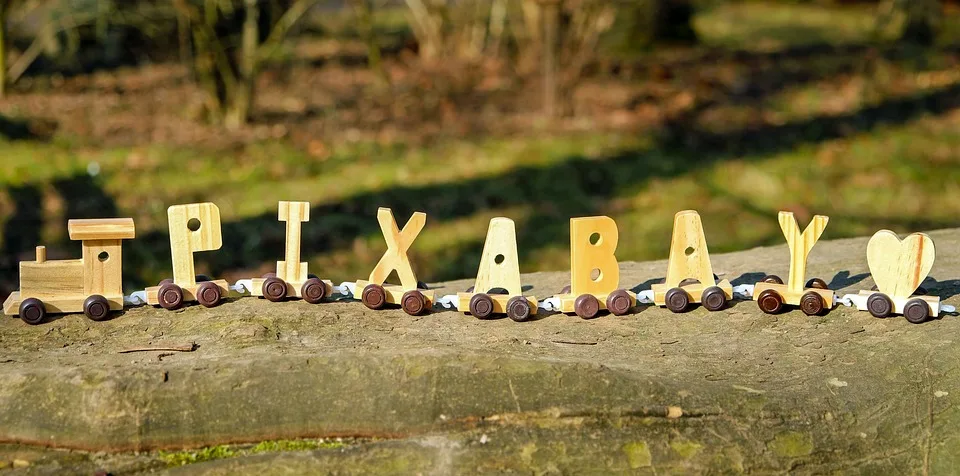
194,227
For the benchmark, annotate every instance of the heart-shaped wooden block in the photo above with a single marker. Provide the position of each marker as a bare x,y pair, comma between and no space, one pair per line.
898,267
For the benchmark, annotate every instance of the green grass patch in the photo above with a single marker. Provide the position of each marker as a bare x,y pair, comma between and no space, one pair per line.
185,457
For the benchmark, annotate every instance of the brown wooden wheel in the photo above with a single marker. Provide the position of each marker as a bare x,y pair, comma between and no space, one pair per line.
481,306
422,285
916,311
879,305
921,291
565,290
469,290
518,308
165,281
96,308
677,300
269,275
374,296
170,296
313,290
816,283
32,311
811,303
772,278
619,302
713,298
274,289
413,302
200,278
208,294
770,301
586,306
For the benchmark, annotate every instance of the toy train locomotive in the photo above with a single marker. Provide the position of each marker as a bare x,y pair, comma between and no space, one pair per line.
92,284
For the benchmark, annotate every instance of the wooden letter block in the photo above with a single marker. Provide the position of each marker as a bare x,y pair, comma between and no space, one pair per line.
593,242
689,257
294,214
185,241
500,263
398,242
800,246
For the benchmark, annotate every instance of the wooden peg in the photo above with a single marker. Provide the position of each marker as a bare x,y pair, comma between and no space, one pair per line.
185,241
898,267
800,246
41,254
294,214
689,257
500,263
398,242
593,243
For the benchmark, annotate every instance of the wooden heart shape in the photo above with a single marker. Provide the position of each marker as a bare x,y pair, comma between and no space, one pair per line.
898,267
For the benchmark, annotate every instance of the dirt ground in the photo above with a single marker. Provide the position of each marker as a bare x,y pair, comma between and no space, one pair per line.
734,391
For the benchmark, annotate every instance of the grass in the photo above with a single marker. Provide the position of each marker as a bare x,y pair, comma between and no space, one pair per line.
184,457
875,145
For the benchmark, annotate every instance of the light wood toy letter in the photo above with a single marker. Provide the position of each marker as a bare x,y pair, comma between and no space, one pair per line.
499,264
398,242
294,214
689,257
184,241
593,243
800,246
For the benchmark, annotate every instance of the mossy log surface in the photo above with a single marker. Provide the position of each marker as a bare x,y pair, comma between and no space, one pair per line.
731,391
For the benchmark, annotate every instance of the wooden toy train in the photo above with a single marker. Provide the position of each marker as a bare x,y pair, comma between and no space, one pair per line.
92,284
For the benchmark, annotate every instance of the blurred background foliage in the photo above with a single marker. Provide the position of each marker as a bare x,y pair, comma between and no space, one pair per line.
538,110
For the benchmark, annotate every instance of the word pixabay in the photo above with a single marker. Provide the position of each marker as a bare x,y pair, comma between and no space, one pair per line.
92,284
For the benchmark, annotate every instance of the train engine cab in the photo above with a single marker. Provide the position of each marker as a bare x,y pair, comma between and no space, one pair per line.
92,285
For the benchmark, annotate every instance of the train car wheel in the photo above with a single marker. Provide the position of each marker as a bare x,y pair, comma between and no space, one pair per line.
170,296
586,306
96,308
374,296
313,290
879,305
481,306
770,302
208,294
518,309
413,302
713,298
811,303
916,311
274,289
619,302
677,300
772,279
816,283
32,311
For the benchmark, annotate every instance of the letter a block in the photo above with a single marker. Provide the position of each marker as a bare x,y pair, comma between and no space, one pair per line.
690,261
594,271
499,268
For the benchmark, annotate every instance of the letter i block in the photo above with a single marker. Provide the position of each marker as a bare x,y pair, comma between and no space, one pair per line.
690,277
375,295
594,271
194,227
292,278
499,268
814,297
